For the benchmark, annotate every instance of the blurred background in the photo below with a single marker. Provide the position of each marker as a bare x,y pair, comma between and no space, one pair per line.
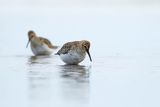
125,24
77,2
125,49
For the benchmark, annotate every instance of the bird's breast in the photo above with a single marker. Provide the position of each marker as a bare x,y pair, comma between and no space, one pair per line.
72,57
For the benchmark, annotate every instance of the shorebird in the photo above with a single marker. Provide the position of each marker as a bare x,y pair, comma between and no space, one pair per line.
40,45
73,53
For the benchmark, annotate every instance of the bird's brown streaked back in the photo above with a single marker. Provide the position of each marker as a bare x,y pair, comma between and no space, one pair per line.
47,42
67,47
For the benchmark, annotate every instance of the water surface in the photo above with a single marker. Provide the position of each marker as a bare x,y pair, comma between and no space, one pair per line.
125,49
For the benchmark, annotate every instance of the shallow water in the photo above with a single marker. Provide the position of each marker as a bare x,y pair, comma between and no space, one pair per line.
125,49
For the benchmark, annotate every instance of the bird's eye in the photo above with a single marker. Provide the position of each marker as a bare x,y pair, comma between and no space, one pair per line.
86,46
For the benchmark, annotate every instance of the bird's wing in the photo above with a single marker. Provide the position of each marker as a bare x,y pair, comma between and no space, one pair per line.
65,49
47,42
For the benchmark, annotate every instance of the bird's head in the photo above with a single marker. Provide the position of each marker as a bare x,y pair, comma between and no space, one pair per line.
31,34
86,45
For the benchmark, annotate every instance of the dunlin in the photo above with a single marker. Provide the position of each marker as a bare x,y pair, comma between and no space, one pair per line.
74,52
40,45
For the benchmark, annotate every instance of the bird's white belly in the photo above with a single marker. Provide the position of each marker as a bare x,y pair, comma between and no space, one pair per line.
72,58
41,50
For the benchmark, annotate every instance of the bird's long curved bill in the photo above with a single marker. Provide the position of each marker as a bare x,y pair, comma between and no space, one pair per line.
27,43
89,55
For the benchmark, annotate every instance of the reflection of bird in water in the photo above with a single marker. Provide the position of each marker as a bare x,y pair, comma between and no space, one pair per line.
76,72
75,84
39,77
39,60
39,83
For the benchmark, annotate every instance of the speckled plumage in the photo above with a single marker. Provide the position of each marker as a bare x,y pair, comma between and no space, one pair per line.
74,52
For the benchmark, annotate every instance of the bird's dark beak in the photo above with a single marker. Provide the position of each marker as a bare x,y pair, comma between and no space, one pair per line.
28,43
87,50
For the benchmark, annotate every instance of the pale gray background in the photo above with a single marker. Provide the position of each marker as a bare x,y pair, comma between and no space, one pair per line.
125,49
